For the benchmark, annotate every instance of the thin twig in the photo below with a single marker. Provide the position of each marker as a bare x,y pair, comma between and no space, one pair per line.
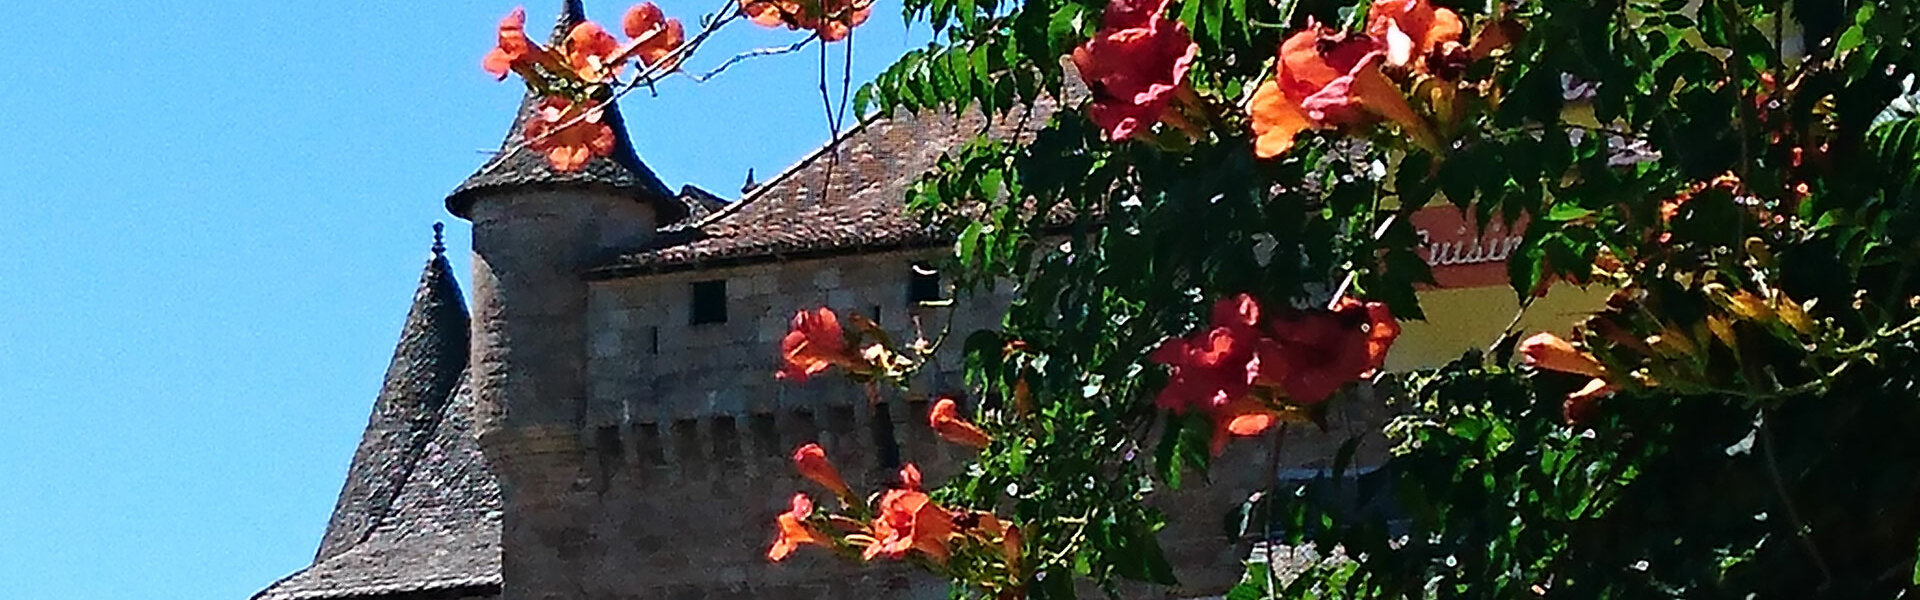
846,83
1511,325
1800,530
754,53
1341,291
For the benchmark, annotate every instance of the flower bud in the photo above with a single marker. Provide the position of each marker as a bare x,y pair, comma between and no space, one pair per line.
1548,351
811,461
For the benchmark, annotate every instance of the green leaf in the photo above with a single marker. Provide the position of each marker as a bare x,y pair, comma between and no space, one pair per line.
1567,211
1183,445
1713,24
1253,585
1856,35
1916,572
1896,147
1139,557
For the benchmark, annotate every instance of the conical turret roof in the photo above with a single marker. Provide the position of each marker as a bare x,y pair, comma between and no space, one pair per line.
523,168
425,370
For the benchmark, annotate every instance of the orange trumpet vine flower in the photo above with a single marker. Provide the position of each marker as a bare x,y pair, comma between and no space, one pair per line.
568,133
654,35
812,463
794,531
515,51
815,343
909,520
1548,351
1135,66
1323,350
946,421
1414,29
1327,79
590,51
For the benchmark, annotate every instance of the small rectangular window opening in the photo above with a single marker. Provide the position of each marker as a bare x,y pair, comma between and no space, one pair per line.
653,340
924,285
709,302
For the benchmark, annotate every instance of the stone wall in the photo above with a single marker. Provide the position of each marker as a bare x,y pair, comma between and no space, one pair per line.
686,437
649,363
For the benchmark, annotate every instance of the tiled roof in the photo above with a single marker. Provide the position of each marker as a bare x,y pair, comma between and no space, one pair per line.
443,535
425,369
523,167
847,197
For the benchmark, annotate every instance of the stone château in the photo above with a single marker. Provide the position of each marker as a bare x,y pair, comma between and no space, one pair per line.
603,423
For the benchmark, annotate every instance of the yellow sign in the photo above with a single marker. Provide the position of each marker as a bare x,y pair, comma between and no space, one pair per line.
1473,304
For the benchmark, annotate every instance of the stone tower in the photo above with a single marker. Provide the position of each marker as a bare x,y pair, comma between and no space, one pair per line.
535,230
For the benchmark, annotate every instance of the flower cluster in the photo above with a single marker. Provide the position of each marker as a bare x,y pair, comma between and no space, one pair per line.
899,523
816,342
569,133
575,76
1678,356
1327,79
832,20
1137,64
1135,67
1246,372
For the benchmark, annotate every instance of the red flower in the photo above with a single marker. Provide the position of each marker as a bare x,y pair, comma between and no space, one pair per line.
1208,370
590,50
1414,29
909,520
568,133
815,343
1217,370
834,21
654,35
1325,79
794,530
1134,65
1548,351
1231,370
811,461
515,51
947,423
1323,350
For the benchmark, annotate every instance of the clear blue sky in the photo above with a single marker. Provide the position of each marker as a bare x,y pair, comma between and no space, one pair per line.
212,217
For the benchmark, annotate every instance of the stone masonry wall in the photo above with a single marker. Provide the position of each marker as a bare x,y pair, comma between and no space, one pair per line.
687,438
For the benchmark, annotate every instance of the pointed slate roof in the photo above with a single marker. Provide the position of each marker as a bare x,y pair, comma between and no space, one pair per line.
523,168
426,368
420,513
442,538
